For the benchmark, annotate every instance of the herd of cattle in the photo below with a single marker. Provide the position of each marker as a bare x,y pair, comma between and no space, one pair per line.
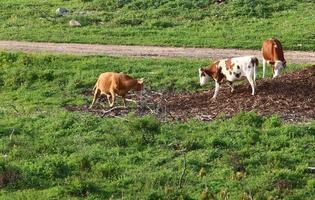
225,70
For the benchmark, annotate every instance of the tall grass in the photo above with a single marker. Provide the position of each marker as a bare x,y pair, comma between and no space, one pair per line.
202,23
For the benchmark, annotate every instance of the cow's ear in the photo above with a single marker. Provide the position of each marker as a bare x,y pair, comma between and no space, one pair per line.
141,80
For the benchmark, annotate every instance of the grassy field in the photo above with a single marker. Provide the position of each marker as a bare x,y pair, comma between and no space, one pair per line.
50,153
199,23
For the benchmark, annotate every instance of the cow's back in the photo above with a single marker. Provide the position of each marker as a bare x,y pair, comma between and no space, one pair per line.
272,50
117,82
106,81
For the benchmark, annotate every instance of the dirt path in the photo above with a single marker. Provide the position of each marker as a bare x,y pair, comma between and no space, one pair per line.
298,57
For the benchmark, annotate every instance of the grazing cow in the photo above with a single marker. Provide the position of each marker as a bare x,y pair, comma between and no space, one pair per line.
272,53
111,83
230,70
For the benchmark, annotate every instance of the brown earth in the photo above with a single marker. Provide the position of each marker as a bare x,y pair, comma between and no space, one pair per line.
291,96
297,57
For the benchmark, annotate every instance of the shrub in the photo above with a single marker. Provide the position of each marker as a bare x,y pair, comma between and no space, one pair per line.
272,122
9,176
259,8
108,170
162,24
251,8
248,119
129,21
148,126
82,188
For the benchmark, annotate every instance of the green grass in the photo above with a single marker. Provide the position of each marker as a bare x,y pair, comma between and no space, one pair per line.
47,152
198,23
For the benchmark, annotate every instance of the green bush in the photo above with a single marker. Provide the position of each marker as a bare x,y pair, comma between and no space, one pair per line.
162,24
147,126
9,176
248,119
82,188
272,122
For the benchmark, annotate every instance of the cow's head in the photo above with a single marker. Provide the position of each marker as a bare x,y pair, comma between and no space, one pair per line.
277,67
204,77
139,85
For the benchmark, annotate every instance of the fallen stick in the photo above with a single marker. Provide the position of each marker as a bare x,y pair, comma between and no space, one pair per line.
130,100
204,117
114,108
15,109
310,169
12,134
152,112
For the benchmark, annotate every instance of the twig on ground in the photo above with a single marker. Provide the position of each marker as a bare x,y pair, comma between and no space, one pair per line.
204,117
170,114
130,100
152,112
13,130
310,169
114,108
15,109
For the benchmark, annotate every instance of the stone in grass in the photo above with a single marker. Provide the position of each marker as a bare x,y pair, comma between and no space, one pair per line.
62,11
74,23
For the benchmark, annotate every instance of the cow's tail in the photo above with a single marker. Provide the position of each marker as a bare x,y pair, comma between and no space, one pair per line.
95,86
255,63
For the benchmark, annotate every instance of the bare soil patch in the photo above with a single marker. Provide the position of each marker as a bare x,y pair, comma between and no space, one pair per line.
291,96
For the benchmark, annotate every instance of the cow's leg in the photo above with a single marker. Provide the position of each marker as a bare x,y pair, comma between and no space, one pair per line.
96,95
255,71
124,99
108,98
264,67
230,84
112,93
216,90
252,84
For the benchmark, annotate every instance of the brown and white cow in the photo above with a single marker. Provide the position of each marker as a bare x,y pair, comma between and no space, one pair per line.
112,84
272,53
230,70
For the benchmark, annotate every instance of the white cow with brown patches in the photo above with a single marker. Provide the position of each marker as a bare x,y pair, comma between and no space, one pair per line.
230,70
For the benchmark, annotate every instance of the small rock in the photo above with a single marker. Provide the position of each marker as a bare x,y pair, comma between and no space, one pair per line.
62,11
74,23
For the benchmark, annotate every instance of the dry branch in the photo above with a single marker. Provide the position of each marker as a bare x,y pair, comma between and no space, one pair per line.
310,169
11,135
15,109
114,108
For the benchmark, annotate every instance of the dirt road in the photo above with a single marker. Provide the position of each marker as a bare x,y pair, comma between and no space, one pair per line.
298,57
